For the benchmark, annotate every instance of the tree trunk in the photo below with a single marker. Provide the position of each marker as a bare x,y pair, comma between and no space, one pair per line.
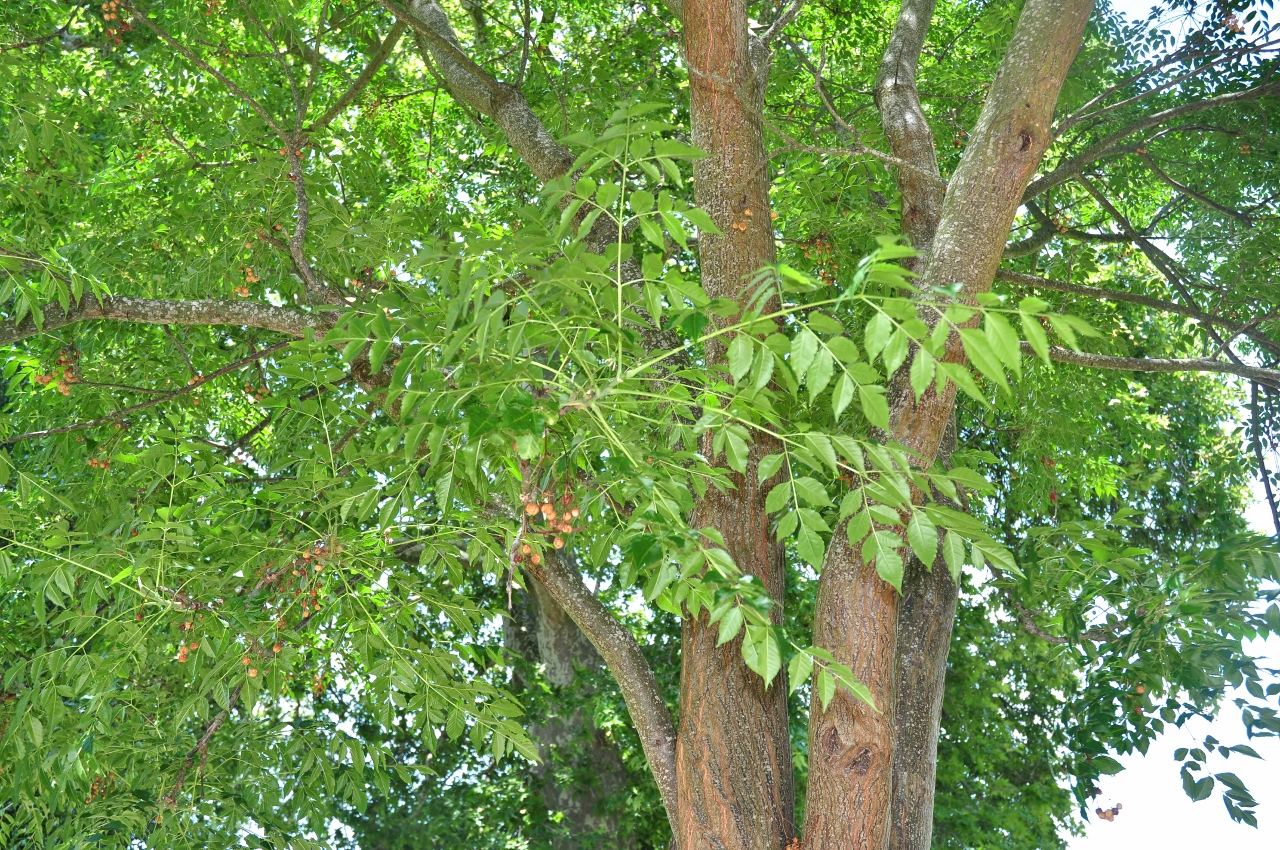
733,758
855,763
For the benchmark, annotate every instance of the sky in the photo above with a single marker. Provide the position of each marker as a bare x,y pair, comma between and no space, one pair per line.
1156,812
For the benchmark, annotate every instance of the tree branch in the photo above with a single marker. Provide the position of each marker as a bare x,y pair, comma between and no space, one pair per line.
618,647
1192,193
1074,166
905,125
369,72
476,88
250,314
1268,377
783,21
118,416
191,57
1137,298
1255,420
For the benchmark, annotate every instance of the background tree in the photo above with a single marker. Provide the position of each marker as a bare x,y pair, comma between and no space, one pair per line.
659,389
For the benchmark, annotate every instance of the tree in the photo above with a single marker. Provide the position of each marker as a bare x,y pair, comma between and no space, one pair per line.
492,365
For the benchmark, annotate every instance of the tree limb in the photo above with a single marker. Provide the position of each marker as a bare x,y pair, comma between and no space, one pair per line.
905,125
1074,166
191,57
621,653
1268,377
146,311
1137,298
369,72
1192,193
1255,420
476,88
117,417
783,21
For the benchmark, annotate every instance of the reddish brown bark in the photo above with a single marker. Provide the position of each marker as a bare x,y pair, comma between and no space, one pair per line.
851,744
734,752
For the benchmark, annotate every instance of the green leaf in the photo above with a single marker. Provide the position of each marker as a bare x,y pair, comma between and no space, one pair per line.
953,554
821,446
826,687
739,356
641,201
810,546
922,534
1035,336
874,406
702,221
768,467
820,373
858,528
845,349
841,397
736,451
877,335
730,624
978,349
1004,342
811,491
922,369
799,670
779,497
804,347
823,323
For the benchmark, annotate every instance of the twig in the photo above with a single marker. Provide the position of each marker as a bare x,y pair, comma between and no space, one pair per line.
784,20
370,71
1256,420
185,359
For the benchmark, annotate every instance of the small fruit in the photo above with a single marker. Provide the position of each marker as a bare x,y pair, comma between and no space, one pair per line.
536,559
276,649
253,672
558,543
525,549
531,509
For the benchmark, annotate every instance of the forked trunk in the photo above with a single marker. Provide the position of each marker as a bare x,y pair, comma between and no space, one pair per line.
854,604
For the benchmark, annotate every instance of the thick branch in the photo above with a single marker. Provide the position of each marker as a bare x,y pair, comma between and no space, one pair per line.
1269,377
621,652
1073,166
1137,298
784,20
146,311
475,87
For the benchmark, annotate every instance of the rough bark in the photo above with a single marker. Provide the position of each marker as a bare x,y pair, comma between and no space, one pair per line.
851,744
148,311
904,123
734,754
926,616
983,196
471,85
